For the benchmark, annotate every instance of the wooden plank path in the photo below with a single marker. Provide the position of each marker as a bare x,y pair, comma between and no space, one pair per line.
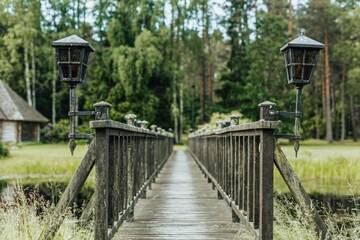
181,205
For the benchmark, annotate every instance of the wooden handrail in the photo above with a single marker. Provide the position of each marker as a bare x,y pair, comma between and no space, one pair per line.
238,160
127,161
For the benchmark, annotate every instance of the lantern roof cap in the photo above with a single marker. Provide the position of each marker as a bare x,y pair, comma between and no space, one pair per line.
302,41
72,40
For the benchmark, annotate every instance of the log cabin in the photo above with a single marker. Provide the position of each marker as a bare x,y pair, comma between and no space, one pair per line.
18,121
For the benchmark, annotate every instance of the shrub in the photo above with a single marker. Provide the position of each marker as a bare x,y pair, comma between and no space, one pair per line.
4,151
59,132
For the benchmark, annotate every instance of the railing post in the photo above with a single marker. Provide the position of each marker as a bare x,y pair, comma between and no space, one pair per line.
267,148
102,110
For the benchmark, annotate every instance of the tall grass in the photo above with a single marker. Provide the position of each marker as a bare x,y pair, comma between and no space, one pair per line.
23,218
325,168
292,224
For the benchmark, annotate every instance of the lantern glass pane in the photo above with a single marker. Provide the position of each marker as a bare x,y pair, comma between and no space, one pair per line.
74,70
288,56
298,71
307,71
63,55
65,70
75,54
310,56
289,72
298,55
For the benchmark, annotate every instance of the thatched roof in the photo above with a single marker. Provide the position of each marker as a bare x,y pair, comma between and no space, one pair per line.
13,107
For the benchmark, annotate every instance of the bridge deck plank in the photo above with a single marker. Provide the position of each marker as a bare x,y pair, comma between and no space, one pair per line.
181,205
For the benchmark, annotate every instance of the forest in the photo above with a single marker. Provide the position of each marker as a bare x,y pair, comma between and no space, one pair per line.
177,62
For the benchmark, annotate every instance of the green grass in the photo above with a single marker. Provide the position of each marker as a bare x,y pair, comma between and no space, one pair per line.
326,168
41,162
20,219
322,167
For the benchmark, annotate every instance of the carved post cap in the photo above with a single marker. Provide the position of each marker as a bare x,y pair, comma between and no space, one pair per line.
130,119
153,128
265,110
102,110
144,124
234,119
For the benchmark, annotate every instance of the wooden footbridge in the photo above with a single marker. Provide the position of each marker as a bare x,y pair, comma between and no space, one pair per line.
218,188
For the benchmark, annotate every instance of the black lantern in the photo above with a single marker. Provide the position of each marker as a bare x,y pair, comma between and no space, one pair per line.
72,54
300,55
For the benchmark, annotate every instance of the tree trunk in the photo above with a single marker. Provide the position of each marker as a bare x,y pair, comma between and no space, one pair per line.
290,20
205,71
175,109
27,74
343,119
328,118
78,14
53,103
353,119
33,74
181,112
202,94
175,113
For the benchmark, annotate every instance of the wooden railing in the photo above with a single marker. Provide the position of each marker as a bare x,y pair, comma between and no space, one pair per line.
127,160
238,160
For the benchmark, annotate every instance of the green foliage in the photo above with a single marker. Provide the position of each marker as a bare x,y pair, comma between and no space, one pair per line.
4,151
134,71
57,133
158,58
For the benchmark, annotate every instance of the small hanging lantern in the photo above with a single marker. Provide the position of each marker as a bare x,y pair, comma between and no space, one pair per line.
300,55
72,55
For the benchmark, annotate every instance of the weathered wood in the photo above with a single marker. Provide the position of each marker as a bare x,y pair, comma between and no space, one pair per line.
266,184
244,170
70,193
181,205
298,191
262,124
110,124
102,184
222,195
